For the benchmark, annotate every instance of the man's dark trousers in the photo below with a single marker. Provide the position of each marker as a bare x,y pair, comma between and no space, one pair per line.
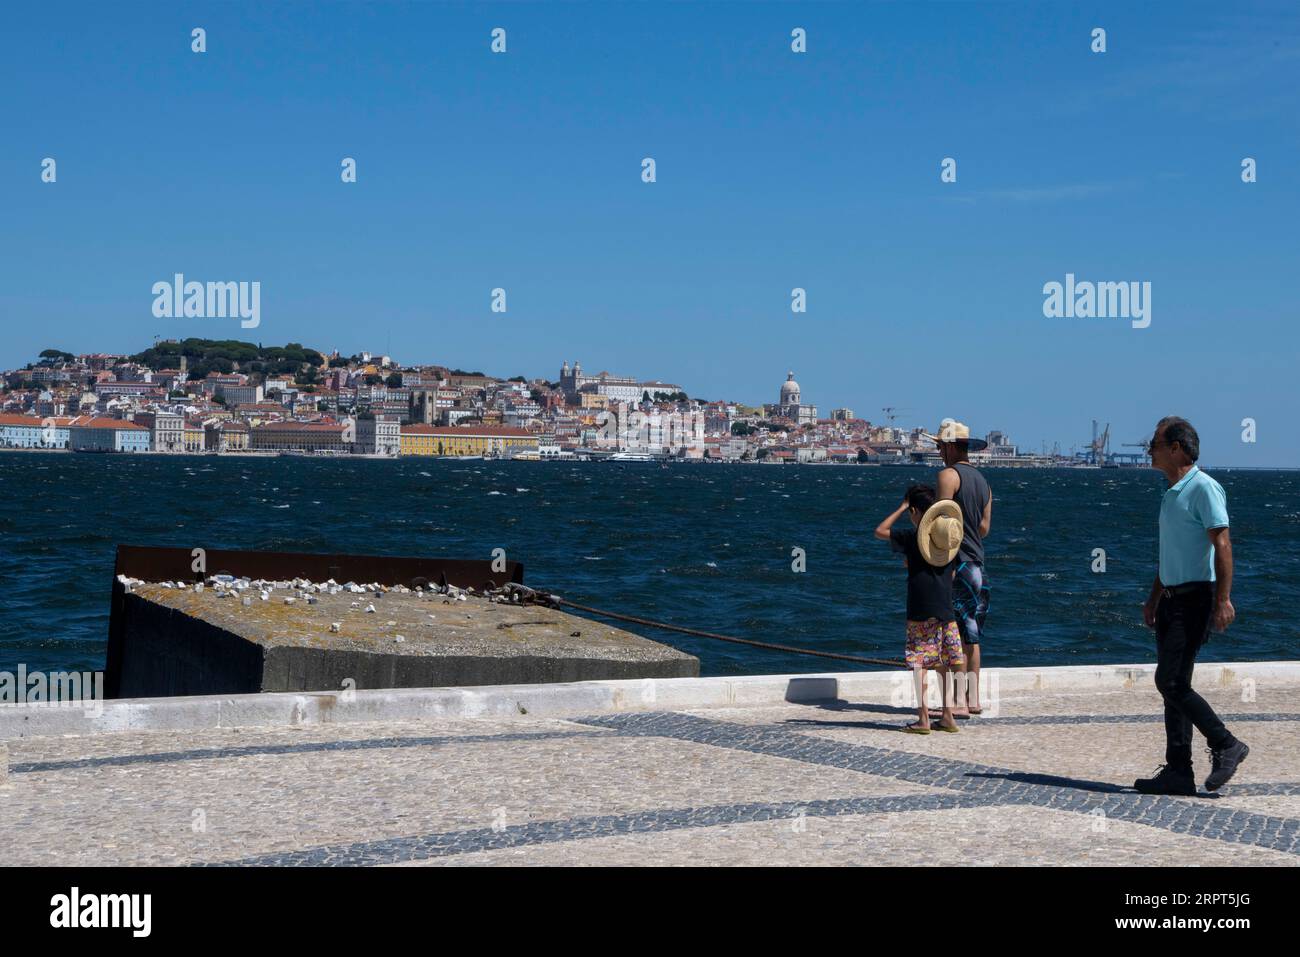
1182,626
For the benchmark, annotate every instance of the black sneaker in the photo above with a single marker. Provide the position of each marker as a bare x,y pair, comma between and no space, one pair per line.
1225,761
1168,781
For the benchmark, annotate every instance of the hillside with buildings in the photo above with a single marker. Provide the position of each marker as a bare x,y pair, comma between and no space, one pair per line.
226,396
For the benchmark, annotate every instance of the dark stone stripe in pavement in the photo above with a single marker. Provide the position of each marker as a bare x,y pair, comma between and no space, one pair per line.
1192,816
1118,718
422,847
1221,824
1262,790
782,743
200,754
1198,817
1152,717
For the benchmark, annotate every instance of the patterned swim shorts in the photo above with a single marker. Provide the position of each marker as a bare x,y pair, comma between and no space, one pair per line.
934,644
970,600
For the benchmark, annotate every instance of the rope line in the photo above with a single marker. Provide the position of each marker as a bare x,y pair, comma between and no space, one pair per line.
790,649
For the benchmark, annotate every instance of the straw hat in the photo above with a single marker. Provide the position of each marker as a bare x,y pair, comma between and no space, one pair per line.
940,533
950,430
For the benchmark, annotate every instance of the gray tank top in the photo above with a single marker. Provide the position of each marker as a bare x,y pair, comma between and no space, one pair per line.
972,496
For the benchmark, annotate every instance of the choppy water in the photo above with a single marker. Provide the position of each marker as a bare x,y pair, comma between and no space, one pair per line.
705,546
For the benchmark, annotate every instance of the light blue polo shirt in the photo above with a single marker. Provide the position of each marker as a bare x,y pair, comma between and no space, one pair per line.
1192,506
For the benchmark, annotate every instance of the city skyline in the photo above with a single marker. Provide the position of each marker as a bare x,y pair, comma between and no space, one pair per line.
789,404
886,415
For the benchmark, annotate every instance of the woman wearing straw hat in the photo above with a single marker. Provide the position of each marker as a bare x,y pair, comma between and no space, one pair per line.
933,641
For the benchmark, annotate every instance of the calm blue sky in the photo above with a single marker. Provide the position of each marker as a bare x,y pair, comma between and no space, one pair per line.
775,170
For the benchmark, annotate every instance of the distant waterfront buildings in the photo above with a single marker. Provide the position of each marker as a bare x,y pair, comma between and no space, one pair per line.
226,437
193,437
624,427
297,437
28,432
225,397
107,435
378,434
1000,445
168,429
497,441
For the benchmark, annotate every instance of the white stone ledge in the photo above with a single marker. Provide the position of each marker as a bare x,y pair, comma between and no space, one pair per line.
584,698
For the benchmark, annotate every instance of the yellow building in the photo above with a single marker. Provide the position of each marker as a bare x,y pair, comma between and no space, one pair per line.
304,436
496,440
193,437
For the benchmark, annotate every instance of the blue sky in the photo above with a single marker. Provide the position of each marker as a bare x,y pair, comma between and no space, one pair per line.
775,170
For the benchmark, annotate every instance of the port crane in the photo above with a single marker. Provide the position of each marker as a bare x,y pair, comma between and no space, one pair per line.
1098,451
1134,458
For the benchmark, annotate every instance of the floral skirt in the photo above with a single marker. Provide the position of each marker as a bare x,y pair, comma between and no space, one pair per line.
934,644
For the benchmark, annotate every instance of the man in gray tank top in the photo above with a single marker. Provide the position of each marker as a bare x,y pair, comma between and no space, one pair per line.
963,483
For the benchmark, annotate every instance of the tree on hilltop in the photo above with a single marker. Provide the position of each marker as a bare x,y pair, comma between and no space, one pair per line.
228,354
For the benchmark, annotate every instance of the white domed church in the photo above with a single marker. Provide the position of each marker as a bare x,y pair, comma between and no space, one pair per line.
790,404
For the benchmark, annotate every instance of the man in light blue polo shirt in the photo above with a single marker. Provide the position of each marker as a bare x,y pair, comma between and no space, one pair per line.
1190,595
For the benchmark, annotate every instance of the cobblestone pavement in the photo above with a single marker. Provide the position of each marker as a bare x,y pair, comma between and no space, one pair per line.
1044,780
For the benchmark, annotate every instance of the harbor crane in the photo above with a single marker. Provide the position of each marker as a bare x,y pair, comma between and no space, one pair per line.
1098,452
1135,458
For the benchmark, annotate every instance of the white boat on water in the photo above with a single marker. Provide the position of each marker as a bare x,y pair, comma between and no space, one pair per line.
631,457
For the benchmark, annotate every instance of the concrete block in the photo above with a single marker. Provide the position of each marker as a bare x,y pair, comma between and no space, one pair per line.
181,642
